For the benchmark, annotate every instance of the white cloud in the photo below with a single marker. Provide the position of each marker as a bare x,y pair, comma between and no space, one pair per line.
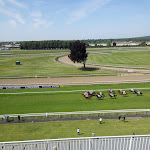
19,18
14,2
2,3
36,14
38,22
16,16
12,13
89,7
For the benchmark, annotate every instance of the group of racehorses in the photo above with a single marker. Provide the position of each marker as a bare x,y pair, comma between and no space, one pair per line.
91,93
111,94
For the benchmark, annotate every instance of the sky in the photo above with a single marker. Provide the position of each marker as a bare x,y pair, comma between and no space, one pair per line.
32,20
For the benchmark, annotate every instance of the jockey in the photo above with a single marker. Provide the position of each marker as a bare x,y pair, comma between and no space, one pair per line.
120,91
99,96
131,90
91,92
138,92
123,92
110,90
100,93
86,95
111,94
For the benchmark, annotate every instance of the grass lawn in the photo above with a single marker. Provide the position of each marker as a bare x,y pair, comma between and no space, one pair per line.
42,62
32,65
41,52
122,58
73,100
68,129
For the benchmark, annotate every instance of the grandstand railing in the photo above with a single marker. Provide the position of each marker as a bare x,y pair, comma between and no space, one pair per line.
128,142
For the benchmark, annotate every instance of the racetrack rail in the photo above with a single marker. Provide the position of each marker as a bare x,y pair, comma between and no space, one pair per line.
74,113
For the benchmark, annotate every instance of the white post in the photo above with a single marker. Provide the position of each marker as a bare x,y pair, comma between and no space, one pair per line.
89,144
130,146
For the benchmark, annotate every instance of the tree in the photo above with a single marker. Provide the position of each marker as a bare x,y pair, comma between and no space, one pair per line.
142,44
78,52
108,43
114,43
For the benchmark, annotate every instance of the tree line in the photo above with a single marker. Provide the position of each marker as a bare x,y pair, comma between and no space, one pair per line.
52,44
59,44
138,39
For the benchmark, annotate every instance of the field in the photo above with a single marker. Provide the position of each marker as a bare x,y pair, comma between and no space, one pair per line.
43,62
69,98
125,58
38,63
68,129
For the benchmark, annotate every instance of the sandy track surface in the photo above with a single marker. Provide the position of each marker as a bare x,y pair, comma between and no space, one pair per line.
121,78
75,80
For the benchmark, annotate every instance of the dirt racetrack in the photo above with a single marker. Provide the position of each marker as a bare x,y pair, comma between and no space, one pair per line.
120,78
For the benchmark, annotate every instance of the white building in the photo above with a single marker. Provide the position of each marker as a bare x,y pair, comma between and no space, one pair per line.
103,44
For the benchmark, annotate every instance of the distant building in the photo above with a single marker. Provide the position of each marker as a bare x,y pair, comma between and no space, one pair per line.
102,44
4,48
121,43
12,46
129,43
91,44
147,42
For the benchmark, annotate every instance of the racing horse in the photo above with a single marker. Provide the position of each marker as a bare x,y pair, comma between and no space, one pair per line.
120,91
132,91
138,92
111,91
112,95
100,95
91,93
124,93
86,95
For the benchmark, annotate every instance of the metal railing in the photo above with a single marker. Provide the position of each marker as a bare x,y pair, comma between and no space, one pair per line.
128,142
76,113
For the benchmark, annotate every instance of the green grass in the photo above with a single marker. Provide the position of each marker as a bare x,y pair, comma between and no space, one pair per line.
42,62
72,101
125,58
67,129
38,65
41,52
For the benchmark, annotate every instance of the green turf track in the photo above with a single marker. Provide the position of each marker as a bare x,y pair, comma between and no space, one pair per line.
42,62
67,129
40,65
72,101
125,58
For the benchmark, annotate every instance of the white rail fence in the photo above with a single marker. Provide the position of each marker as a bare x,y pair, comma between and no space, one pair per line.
76,113
136,142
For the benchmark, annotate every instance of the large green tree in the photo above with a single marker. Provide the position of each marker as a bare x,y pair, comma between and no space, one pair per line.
78,52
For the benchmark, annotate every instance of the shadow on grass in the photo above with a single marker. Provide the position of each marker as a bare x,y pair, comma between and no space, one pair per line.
102,122
100,99
88,69
81,134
